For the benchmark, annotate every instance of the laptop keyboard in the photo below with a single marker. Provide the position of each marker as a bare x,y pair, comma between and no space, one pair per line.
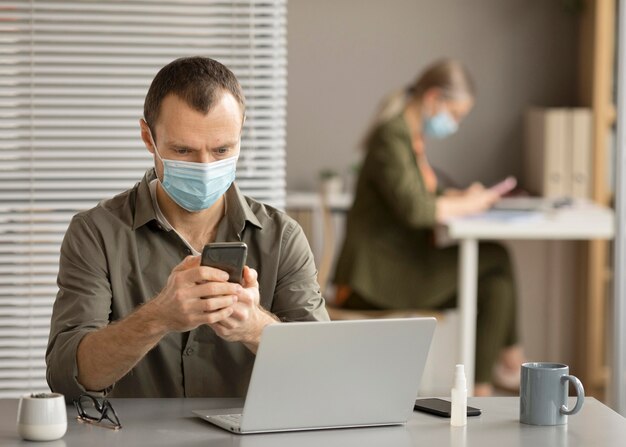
232,419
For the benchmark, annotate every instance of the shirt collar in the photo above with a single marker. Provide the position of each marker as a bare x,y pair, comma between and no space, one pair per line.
144,211
239,212
160,217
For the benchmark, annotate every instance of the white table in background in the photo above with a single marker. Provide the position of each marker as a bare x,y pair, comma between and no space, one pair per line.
582,221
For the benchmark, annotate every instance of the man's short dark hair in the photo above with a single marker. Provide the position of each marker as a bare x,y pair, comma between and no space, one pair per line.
199,81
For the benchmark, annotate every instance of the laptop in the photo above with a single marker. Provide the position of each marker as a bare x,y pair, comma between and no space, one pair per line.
335,374
540,204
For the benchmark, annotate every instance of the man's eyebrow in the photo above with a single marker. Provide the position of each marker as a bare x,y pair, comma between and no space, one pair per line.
177,145
226,144
181,146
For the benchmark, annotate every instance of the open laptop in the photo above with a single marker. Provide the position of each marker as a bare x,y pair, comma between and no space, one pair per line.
541,204
318,375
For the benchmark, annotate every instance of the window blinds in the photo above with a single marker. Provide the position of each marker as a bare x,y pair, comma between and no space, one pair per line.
73,77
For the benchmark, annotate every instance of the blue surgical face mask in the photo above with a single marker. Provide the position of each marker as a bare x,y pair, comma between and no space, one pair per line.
440,125
197,186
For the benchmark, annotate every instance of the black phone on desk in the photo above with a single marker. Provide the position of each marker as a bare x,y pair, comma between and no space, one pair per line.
227,256
440,407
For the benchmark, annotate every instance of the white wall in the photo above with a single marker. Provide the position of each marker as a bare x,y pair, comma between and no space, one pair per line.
345,55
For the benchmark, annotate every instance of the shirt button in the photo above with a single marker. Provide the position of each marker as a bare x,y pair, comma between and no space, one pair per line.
189,351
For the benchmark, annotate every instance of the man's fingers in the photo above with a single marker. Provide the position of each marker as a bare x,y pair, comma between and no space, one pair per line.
215,303
226,323
249,277
201,274
217,316
214,289
192,271
187,263
212,274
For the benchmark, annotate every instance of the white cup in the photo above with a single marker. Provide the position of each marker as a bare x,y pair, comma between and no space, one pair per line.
42,417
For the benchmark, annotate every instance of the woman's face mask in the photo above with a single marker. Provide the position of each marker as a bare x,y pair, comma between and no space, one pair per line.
196,186
440,125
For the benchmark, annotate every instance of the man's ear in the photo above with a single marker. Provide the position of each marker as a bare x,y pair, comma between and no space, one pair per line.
145,135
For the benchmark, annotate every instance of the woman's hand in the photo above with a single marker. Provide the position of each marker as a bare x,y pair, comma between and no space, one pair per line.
455,192
473,200
480,199
474,188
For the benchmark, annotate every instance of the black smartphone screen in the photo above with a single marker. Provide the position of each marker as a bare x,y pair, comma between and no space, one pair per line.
227,256
440,407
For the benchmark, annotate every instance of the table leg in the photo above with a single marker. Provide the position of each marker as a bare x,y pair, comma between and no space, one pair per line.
468,283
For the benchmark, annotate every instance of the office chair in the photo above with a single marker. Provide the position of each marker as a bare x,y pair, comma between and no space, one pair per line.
323,277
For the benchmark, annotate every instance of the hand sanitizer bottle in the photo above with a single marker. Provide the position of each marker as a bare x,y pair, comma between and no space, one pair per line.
459,398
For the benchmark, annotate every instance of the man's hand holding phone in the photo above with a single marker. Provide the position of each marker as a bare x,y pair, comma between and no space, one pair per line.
194,295
198,294
248,318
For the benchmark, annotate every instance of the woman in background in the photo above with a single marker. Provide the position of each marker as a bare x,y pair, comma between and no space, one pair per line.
389,259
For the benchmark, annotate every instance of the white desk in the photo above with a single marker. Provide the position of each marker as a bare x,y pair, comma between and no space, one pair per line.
583,221
170,422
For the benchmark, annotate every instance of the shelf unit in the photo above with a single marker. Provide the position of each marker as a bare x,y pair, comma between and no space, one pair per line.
597,62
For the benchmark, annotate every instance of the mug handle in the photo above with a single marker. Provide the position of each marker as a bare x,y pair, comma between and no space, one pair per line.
580,393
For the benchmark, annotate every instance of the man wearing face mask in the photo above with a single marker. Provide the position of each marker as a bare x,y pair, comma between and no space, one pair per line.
136,314
389,259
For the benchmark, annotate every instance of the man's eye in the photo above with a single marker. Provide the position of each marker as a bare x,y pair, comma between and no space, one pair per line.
182,151
222,150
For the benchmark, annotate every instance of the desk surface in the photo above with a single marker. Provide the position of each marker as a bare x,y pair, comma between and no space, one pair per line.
167,422
311,200
584,220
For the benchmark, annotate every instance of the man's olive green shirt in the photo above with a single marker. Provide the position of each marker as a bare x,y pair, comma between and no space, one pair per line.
117,256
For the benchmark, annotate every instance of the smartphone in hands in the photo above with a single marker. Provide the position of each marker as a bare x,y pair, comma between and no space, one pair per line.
505,186
227,256
440,407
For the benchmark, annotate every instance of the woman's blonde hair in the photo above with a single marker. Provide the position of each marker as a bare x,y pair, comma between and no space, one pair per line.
448,75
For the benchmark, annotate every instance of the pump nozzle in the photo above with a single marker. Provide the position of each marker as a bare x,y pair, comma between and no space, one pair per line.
460,382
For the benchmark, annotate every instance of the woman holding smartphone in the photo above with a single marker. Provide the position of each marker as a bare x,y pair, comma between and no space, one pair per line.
389,259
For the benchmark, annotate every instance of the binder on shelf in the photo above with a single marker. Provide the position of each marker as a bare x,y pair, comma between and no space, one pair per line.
581,124
557,154
546,156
